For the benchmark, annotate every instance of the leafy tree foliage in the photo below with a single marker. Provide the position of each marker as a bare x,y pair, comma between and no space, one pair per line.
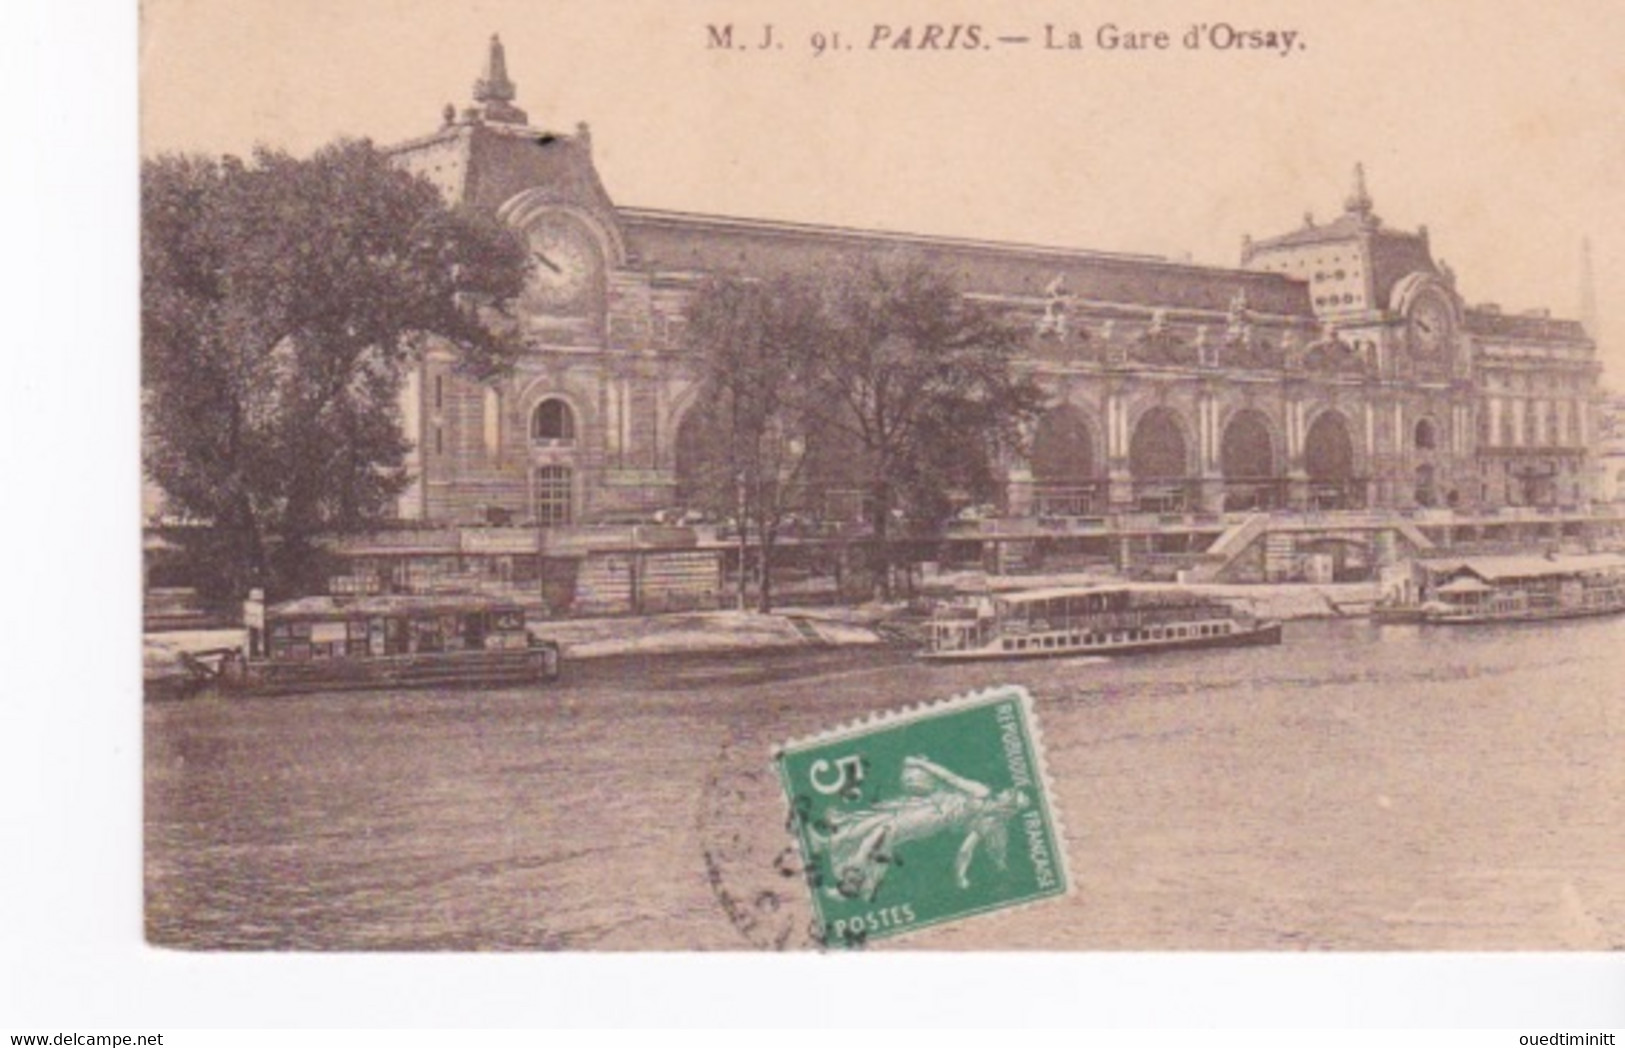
878,375
923,383
755,339
281,299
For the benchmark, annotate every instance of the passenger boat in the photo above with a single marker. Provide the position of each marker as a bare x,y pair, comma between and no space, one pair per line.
1090,621
338,643
1521,588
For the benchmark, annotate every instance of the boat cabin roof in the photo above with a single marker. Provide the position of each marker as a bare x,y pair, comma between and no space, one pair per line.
1150,596
1054,593
1493,569
389,606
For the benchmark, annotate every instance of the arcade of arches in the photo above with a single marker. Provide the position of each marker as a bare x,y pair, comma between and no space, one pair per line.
1160,472
1166,466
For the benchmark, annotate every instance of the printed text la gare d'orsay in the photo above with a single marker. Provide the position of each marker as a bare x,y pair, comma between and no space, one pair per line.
950,37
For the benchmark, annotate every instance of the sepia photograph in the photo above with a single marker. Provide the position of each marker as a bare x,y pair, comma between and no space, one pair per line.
903,477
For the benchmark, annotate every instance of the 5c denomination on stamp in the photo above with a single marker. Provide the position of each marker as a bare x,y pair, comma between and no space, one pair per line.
924,816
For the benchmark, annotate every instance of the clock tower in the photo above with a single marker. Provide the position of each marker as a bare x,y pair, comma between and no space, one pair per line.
531,446
1380,290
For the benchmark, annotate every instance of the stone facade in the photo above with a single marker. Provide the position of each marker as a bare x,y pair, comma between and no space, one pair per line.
1337,367
1610,465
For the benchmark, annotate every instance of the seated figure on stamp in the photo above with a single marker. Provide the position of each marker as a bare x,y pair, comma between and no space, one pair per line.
861,844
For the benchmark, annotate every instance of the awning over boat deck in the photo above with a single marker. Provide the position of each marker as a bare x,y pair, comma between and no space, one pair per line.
1528,567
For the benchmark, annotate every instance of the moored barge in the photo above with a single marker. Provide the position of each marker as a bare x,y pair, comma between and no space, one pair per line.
342,643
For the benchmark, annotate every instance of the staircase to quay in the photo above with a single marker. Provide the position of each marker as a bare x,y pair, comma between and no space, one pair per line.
1277,538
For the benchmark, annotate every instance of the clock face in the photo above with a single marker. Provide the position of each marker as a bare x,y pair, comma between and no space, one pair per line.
564,263
1430,326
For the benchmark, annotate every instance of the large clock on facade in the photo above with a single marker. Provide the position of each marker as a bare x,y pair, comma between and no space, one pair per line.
566,263
1431,326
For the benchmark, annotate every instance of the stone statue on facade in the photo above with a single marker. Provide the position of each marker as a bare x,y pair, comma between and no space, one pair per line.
1053,324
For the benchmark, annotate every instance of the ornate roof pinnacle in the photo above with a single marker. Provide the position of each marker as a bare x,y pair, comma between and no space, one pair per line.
494,92
1359,201
495,86
1588,290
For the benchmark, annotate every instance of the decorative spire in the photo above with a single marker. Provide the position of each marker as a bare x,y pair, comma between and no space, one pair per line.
1359,201
494,92
495,86
1588,290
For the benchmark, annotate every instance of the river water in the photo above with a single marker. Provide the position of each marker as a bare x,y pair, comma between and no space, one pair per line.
1357,788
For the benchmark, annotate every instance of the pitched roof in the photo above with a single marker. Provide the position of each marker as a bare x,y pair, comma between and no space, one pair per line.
682,242
1486,322
1344,227
1526,566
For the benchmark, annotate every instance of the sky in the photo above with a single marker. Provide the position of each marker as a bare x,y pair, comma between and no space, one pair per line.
1502,134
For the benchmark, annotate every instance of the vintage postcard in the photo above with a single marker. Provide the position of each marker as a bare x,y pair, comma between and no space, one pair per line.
892,477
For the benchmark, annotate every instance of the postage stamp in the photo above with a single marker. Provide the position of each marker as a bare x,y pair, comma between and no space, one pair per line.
924,816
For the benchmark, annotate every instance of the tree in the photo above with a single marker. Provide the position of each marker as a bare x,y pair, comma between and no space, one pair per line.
878,375
923,383
281,300
753,339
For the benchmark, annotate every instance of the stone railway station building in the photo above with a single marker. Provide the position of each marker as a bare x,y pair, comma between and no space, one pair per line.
1335,388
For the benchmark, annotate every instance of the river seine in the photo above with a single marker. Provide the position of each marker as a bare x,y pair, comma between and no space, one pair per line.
1357,788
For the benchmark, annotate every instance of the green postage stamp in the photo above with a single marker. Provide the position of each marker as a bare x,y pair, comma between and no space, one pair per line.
924,816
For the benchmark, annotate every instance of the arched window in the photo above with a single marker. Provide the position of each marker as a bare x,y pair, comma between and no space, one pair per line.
1247,452
1328,453
1063,448
1063,465
1157,460
1426,440
553,423
1328,458
552,496
1247,460
1157,449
